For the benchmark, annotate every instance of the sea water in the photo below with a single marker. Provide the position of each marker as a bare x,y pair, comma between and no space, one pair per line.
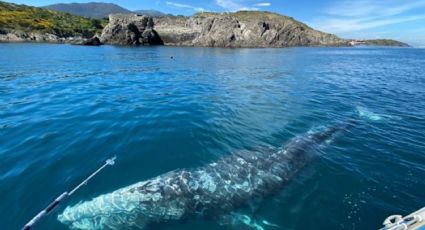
65,109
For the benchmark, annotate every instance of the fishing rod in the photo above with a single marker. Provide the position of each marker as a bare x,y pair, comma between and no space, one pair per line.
65,195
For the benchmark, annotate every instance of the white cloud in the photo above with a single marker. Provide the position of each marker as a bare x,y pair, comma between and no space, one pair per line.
179,5
349,25
359,8
263,4
352,16
232,5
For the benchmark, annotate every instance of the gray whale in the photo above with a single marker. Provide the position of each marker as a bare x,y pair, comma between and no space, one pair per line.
215,189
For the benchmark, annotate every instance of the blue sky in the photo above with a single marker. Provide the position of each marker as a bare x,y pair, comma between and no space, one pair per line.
397,19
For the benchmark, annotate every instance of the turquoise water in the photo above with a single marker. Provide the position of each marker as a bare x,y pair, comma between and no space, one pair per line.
65,109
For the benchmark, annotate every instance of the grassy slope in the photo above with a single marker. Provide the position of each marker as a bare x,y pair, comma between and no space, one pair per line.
385,42
33,19
259,15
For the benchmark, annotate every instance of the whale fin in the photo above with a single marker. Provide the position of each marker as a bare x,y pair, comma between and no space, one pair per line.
365,113
369,115
265,222
241,221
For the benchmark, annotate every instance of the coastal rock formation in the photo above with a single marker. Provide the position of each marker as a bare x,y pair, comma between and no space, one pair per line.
379,42
241,29
130,29
94,41
21,36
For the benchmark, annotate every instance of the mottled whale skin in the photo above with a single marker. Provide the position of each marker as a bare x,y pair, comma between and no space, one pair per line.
215,189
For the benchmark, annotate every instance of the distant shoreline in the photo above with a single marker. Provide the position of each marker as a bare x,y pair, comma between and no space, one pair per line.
227,48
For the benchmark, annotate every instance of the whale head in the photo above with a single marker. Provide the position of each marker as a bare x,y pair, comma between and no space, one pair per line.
329,132
132,207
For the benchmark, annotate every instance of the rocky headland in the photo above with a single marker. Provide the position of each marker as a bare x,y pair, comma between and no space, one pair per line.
241,29
378,42
252,29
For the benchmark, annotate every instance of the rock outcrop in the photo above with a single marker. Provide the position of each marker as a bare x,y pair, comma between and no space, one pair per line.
385,42
241,29
378,42
94,41
21,36
130,29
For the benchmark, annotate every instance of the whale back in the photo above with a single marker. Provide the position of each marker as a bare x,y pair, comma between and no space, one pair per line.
208,191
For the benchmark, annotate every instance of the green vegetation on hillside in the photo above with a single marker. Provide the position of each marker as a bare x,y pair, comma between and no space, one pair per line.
258,15
385,42
96,10
33,19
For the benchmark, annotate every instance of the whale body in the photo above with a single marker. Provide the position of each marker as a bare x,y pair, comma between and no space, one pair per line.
215,189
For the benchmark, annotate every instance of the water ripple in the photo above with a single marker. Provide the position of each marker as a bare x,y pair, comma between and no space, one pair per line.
64,109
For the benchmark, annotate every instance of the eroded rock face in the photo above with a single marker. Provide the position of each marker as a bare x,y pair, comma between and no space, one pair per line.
241,29
20,36
130,29
94,41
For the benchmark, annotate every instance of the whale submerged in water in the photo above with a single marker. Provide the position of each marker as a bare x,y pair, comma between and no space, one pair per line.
213,190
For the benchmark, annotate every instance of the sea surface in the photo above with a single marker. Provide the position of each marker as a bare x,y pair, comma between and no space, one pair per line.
65,109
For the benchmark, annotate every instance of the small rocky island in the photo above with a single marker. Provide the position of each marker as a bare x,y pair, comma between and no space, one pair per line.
253,29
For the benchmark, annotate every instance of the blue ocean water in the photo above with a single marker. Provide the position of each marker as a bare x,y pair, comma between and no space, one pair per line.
65,109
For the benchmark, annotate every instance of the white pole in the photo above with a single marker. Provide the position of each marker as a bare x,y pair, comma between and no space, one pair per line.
65,195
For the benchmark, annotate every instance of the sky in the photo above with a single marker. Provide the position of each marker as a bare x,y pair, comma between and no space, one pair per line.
402,20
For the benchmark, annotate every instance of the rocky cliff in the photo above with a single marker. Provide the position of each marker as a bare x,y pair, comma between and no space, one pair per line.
241,29
130,29
22,36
